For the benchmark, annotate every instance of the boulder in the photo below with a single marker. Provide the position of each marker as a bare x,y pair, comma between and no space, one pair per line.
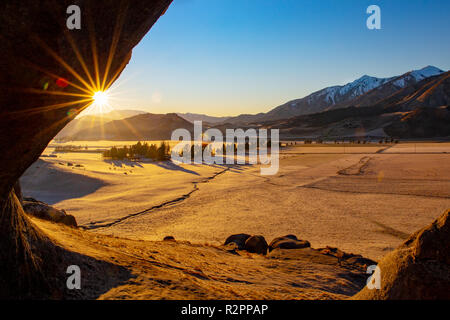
418,269
44,211
169,238
347,258
256,244
288,242
291,236
69,220
238,239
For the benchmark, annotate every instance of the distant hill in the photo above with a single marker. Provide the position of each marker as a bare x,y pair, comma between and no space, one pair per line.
364,91
431,92
422,123
94,120
147,126
191,117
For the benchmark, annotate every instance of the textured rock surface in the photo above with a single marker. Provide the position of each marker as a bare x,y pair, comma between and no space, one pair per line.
42,75
419,268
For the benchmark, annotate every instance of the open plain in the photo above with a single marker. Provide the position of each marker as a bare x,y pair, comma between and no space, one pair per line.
362,199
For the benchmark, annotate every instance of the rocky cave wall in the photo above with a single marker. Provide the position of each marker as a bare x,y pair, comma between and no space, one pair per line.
37,48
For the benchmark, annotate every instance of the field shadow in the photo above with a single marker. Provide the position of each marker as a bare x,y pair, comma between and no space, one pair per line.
97,277
51,185
169,165
122,163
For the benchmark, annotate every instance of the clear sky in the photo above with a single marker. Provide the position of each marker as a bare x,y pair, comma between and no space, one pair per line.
227,57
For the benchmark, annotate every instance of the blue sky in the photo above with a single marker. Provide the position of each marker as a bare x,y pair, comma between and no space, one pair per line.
227,57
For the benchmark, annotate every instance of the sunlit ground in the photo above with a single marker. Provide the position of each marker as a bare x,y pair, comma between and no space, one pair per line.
360,201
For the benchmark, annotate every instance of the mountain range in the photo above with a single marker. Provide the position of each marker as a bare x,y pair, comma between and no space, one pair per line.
358,93
414,104
419,110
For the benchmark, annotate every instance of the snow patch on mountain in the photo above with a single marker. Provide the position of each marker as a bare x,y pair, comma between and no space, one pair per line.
363,85
366,83
426,72
417,75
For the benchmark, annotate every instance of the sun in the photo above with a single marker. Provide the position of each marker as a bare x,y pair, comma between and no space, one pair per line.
100,98
99,104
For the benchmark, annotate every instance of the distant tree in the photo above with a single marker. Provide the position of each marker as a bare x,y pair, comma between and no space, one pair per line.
161,152
151,152
114,152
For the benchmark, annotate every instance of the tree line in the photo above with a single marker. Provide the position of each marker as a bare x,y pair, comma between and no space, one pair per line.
161,152
70,148
139,150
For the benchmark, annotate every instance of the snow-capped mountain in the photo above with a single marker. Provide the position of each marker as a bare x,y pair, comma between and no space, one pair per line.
362,85
420,110
343,95
326,98
337,94
426,72
390,87
416,76
352,93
